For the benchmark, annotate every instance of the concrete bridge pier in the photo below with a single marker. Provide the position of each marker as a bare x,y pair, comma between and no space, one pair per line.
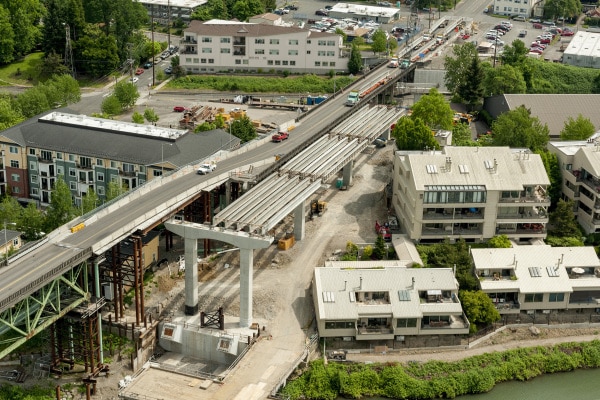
191,276
347,173
192,232
299,221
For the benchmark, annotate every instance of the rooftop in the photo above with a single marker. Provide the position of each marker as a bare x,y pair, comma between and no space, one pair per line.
175,3
361,9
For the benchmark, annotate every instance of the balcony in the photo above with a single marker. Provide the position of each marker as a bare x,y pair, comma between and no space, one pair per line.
450,231
45,160
189,40
454,214
452,322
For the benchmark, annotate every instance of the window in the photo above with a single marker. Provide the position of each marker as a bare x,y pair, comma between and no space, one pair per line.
128,167
100,190
15,177
114,164
34,178
100,176
46,155
273,41
331,54
406,323
292,62
269,62
331,63
321,53
72,157
534,297
206,40
59,155
14,163
72,172
99,162
324,63
317,63
13,149
331,43
34,192
322,43
292,52
308,41
15,241
293,42
142,169
556,297
211,60
259,41
274,52
259,51
33,165
73,185
203,60
225,51
206,50
238,62
85,162
339,324
284,62
60,170
245,62
32,152
307,51
225,40
16,189
277,62
157,172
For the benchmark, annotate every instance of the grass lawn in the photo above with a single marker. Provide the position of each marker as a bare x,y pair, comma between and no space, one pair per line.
25,71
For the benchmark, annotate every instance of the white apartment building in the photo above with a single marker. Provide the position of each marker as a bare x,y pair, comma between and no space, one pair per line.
515,7
472,193
539,279
382,300
580,166
230,46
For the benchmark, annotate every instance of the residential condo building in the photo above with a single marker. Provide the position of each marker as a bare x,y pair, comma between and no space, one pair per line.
472,193
230,46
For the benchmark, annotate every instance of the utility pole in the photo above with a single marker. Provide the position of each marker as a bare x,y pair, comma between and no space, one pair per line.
69,51
130,60
169,25
152,27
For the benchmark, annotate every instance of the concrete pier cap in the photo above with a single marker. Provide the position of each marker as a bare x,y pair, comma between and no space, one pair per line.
246,242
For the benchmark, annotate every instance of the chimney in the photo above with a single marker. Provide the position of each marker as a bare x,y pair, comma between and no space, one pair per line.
495,165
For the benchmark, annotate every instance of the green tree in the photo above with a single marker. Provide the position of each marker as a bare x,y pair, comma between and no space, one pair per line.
137,118
10,114
90,201
111,106
97,53
127,94
150,115
554,173
351,252
61,210
412,134
499,242
392,44
10,210
457,67
596,85
379,250
64,89
563,222
478,308
462,136
114,190
219,122
379,42
472,90
53,65
59,14
31,222
514,54
341,32
243,129
32,102
204,127
562,8
517,128
7,37
433,110
503,80
355,60
580,128
244,9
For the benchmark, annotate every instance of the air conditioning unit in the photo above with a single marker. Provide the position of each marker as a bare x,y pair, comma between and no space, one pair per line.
546,311
530,312
348,338
399,338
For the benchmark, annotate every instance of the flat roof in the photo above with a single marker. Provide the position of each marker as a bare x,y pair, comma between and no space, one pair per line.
175,3
361,9
585,44
539,269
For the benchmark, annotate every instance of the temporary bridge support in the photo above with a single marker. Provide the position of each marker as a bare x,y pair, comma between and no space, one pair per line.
191,233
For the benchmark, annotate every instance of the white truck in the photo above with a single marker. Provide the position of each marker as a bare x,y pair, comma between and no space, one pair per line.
353,98
206,168
393,63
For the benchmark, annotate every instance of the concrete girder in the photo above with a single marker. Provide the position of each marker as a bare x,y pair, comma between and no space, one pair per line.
326,153
297,162
233,212
283,184
314,186
200,231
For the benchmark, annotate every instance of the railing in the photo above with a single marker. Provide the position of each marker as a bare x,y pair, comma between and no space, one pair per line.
308,349
437,215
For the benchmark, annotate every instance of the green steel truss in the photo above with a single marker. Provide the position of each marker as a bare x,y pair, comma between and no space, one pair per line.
42,308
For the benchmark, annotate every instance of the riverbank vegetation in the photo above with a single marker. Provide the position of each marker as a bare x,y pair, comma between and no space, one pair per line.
438,379
310,84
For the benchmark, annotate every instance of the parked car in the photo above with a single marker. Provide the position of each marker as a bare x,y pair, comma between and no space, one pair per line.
165,54
519,18
291,7
536,50
322,12
537,25
523,33
567,33
501,28
179,108
148,64
497,42
139,71
169,70
206,168
535,20
157,60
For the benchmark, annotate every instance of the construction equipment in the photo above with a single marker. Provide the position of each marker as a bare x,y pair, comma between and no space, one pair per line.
317,207
384,231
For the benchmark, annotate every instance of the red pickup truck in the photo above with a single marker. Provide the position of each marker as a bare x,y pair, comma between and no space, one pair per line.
280,136
384,231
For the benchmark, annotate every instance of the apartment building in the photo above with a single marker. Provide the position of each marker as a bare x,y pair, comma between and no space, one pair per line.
382,300
231,46
580,166
472,193
539,279
91,152
164,11
523,8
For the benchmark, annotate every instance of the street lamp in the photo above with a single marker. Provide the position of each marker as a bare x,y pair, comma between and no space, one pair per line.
6,240
162,157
